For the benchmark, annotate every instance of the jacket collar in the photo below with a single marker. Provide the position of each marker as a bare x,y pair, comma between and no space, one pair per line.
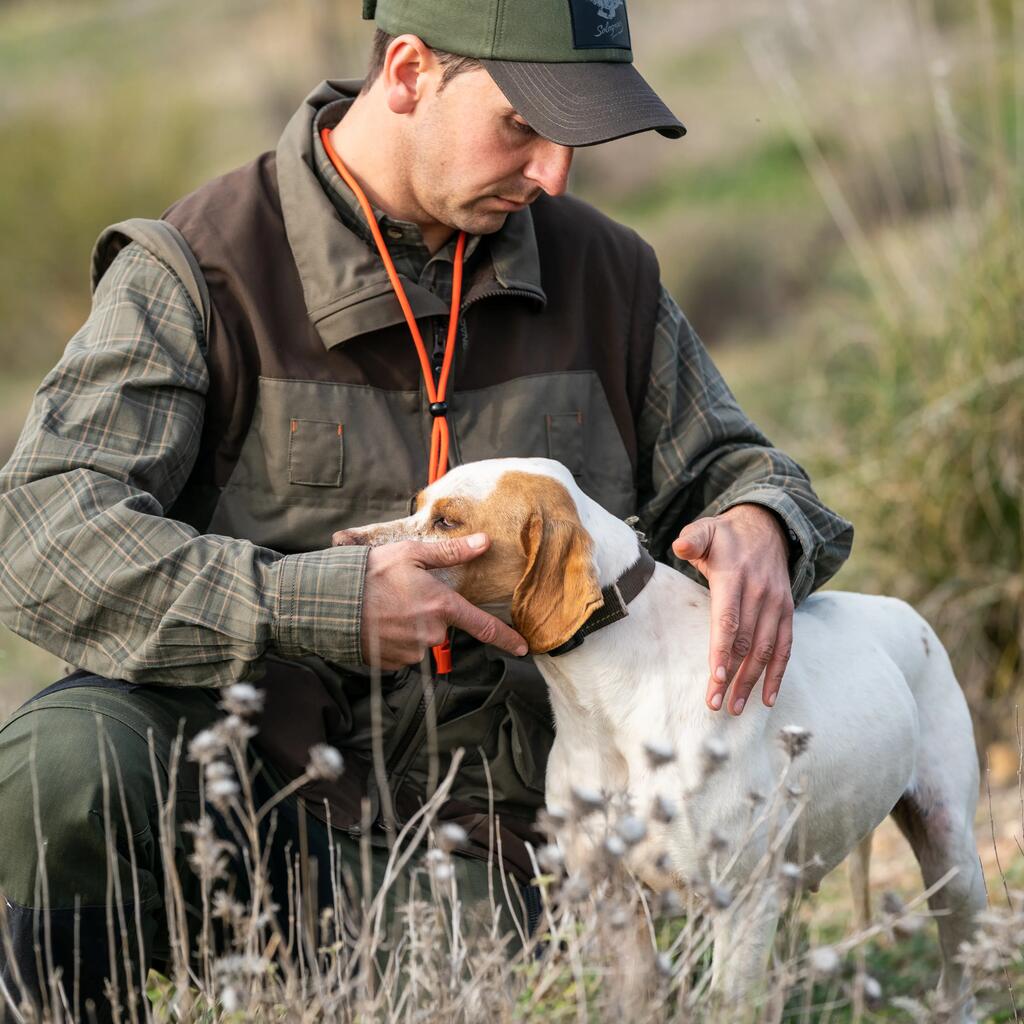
344,283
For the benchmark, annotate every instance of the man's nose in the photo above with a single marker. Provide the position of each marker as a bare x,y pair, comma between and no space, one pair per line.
549,166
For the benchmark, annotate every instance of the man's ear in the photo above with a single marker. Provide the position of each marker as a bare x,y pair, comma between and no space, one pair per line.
558,591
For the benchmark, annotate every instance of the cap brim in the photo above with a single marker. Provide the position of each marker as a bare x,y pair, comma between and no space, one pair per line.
582,104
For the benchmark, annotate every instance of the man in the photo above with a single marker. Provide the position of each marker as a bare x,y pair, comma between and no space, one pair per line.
167,514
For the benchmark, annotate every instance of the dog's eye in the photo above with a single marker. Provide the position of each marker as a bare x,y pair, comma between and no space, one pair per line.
443,523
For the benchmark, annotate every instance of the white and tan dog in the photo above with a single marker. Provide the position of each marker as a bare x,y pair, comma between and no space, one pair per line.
868,679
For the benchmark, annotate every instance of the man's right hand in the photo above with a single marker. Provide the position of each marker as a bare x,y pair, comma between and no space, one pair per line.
406,610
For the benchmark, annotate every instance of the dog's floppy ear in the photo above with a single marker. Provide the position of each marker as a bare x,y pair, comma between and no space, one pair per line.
559,590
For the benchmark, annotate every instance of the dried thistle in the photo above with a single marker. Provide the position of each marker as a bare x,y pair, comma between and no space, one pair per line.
713,754
587,801
451,837
324,763
242,699
551,859
663,810
824,961
794,739
205,746
659,753
631,830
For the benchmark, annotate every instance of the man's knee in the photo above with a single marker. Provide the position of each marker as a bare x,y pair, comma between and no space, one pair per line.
76,792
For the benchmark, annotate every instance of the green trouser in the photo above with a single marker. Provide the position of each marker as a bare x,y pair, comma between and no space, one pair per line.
82,865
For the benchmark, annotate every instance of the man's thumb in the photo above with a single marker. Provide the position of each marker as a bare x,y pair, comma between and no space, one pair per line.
453,550
695,540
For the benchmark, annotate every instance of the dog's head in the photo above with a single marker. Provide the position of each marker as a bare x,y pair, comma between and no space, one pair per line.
540,565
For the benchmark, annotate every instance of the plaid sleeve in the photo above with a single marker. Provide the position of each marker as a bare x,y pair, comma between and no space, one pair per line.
701,455
92,570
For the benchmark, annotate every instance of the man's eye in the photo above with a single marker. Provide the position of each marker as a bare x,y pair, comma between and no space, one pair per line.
443,523
522,126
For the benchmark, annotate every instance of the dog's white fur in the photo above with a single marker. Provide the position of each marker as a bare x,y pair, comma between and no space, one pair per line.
868,679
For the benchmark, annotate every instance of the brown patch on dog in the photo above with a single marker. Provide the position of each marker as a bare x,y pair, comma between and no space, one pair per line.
540,558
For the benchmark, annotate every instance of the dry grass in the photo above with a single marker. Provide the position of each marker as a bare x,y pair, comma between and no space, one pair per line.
606,948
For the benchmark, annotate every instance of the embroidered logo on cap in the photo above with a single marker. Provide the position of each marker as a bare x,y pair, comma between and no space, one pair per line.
599,24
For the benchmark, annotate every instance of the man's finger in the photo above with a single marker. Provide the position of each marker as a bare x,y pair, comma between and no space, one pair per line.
694,543
486,628
780,659
760,652
450,551
725,624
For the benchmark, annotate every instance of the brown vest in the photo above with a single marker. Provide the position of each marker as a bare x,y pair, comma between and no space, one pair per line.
304,436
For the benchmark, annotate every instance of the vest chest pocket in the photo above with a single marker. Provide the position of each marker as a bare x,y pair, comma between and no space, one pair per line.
565,440
316,453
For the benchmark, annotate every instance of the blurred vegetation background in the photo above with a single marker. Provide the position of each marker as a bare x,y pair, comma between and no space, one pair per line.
842,225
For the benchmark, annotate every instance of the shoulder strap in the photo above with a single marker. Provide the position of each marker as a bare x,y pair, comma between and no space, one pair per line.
165,242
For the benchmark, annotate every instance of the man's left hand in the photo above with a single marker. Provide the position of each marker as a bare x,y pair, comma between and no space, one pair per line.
744,556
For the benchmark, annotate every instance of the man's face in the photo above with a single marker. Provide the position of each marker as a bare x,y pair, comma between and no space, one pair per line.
471,160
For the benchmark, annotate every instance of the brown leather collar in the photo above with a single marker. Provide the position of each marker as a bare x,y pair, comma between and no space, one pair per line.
616,596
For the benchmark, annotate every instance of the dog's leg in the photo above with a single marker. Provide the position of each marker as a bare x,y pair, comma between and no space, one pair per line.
937,816
743,941
859,864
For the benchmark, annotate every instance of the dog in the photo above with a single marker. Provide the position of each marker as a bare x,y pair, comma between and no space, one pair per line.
622,643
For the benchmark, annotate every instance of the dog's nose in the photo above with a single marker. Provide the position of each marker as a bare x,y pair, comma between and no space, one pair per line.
345,538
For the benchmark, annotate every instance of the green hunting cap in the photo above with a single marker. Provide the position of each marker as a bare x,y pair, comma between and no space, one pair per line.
565,65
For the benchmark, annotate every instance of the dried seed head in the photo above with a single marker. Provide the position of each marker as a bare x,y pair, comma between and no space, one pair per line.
237,728
663,810
451,837
221,790
324,763
551,820
794,739
663,965
794,790
442,872
659,753
614,847
205,746
790,875
872,990
720,897
229,999
219,770
619,918
242,699
714,753
908,925
671,904
892,903
575,889
434,856
663,863
631,829
550,859
824,961
587,800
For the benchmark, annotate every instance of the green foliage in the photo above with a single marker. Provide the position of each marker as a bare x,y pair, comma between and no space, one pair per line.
67,183
933,422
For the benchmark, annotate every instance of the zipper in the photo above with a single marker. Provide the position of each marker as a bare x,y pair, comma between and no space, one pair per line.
520,293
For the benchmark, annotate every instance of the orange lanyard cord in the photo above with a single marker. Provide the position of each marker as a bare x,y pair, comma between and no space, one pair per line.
439,436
